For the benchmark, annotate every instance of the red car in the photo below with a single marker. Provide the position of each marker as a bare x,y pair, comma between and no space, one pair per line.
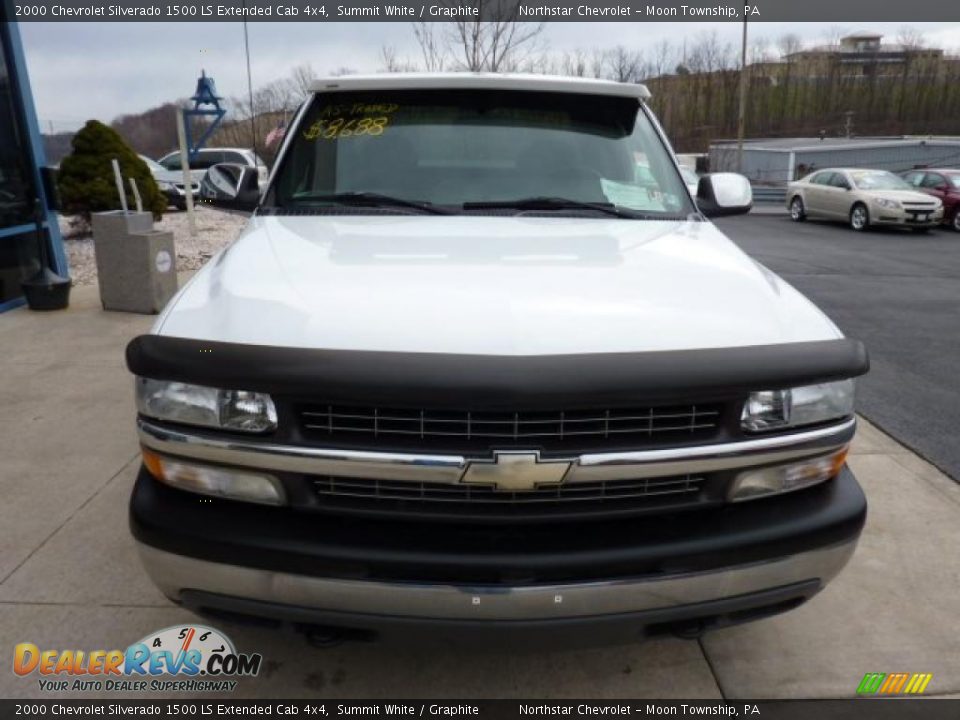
942,183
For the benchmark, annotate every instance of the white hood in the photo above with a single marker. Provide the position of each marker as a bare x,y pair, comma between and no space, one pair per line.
489,285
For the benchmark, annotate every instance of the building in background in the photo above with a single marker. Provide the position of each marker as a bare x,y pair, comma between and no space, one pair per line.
864,54
777,161
21,186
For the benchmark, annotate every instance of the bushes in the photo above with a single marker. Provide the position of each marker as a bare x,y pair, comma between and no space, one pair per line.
86,180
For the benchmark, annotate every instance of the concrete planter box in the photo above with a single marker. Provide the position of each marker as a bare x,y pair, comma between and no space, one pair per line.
136,264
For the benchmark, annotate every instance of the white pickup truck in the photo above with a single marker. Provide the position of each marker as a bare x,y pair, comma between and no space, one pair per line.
480,362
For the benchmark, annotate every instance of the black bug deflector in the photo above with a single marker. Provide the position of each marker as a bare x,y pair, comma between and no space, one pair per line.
488,381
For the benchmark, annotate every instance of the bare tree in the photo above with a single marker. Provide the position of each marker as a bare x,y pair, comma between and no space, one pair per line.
834,34
789,44
542,64
302,78
574,63
391,62
911,39
432,45
622,65
494,41
663,54
760,51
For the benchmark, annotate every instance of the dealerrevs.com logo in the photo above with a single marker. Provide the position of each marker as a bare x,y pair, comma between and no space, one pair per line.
186,658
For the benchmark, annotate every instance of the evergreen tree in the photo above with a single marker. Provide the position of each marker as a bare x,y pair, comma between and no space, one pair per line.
86,179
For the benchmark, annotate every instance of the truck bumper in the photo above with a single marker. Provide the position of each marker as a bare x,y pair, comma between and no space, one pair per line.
681,574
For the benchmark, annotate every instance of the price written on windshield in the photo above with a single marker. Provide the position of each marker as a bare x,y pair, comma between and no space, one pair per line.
343,127
351,120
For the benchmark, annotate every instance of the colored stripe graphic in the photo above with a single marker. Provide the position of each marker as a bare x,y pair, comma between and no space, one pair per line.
871,683
918,683
894,683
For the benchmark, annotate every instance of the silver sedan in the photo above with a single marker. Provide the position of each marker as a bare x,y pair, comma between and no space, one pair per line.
862,198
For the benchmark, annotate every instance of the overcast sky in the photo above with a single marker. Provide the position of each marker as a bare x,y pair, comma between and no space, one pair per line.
100,70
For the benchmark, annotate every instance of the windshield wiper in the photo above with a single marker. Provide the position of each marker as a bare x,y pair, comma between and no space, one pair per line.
560,203
371,199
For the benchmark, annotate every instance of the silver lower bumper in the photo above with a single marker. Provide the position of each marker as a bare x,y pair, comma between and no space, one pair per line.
175,573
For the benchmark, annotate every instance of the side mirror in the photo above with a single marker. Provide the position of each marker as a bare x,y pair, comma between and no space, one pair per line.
231,185
720,194
249,194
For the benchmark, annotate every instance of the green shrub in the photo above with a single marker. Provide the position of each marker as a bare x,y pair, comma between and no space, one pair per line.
86,180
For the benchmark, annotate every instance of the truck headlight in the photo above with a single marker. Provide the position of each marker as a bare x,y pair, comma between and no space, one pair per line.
793,407
210,407
216,481
887,203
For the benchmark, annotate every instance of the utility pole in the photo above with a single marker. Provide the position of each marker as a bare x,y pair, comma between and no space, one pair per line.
741,115
253,121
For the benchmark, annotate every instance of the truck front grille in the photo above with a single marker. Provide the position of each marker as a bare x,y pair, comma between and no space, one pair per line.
451,500
466,431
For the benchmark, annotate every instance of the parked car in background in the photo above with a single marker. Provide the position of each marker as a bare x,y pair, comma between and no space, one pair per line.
862,198
208,157
171,184
942,183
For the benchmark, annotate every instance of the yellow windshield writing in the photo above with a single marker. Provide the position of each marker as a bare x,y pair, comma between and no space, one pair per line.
343,127
351,120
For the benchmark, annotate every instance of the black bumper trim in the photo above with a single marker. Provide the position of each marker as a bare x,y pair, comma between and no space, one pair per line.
314,544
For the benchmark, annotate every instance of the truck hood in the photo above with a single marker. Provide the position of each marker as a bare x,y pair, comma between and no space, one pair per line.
488,285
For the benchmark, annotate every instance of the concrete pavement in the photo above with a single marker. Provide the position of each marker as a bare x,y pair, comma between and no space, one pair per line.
69,576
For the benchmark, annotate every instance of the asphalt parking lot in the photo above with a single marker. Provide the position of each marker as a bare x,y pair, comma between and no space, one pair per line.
70,577
897,291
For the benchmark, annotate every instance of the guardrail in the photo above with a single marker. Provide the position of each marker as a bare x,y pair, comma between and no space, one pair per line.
769,195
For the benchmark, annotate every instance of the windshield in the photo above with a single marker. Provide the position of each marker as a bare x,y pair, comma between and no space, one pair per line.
878,180
451,148
153,165
689,176
954,180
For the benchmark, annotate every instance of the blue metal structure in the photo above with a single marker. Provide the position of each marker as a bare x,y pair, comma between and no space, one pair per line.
32,158
206,103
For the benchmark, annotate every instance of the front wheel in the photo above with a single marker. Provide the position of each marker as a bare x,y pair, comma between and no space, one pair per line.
798,213
859,217
955,223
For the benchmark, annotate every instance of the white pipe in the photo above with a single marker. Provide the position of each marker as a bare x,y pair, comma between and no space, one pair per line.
119,180
187,179
136,194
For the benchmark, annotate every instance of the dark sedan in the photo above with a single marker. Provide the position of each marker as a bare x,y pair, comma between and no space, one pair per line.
942,183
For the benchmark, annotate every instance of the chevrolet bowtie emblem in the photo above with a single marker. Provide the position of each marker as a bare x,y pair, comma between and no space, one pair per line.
515,471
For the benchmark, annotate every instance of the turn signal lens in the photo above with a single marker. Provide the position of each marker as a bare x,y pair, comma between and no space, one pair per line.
766,481
216,481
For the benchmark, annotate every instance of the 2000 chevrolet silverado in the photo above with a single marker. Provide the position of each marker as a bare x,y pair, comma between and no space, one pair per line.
479,361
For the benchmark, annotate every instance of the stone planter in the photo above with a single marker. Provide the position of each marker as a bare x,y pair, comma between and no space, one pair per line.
136,265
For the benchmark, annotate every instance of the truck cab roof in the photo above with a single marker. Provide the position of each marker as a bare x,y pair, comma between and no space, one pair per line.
480,81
